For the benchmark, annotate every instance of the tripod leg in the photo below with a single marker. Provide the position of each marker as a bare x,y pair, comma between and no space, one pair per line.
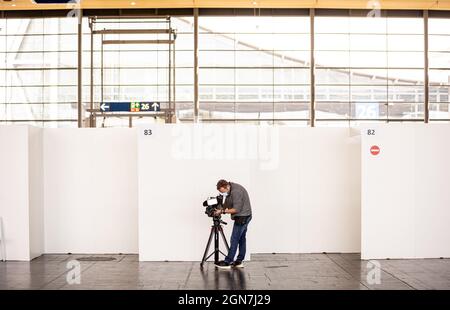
224,239
216,245
207,246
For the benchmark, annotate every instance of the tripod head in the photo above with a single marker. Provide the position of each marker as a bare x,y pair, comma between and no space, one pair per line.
217,221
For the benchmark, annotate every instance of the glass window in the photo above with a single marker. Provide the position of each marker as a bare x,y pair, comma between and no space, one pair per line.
369,68
254,68
38,71
439,68
251,68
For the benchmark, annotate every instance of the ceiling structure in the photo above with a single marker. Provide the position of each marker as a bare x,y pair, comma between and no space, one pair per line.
320,4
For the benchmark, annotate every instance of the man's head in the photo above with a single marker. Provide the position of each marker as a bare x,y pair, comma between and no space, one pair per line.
223,186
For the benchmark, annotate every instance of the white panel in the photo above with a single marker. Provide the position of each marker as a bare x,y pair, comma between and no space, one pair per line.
432,191
329,190
405,200
276,199
179,166
303,184
36,191
14,196
90,190
388,192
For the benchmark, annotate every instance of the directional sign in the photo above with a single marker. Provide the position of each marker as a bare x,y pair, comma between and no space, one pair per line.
133,106
156,106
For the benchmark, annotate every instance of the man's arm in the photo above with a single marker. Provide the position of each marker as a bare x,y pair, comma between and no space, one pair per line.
230,211
226,211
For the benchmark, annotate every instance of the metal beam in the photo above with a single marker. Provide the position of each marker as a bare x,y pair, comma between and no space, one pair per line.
138,42
174,83
41,120
129,114
196,101
124,16
168,4
312,109
306,120
426,66
132,31
243,120
170,78
102,67
91,87
80,71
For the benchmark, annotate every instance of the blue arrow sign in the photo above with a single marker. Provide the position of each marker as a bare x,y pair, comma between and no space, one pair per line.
133,106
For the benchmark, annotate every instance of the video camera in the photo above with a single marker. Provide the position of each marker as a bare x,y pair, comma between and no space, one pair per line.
212,204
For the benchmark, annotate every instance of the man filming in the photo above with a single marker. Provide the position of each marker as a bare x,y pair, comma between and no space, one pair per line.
236,203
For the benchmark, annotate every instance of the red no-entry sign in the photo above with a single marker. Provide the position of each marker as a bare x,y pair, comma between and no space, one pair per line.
374,150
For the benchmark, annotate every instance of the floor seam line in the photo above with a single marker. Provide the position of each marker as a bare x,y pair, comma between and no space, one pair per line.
359,280
404,282
188,276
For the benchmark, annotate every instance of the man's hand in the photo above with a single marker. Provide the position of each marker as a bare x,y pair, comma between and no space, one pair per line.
218,212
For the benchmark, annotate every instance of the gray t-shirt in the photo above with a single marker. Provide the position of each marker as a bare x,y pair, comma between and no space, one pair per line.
238,199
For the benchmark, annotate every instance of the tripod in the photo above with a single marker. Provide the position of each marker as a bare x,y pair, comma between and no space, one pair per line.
216,228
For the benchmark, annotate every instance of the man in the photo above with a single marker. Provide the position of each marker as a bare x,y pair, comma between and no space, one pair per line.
237,203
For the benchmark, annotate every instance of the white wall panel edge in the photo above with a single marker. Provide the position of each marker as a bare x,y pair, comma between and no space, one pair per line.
36,191
14,191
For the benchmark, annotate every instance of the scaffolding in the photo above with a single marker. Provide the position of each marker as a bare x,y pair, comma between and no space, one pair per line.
160,32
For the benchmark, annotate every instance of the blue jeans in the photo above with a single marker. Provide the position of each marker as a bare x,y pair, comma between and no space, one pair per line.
238,238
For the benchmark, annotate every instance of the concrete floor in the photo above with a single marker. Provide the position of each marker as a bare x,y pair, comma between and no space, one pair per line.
265,271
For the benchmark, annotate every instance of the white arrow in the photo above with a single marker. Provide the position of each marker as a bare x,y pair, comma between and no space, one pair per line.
155,106
103,107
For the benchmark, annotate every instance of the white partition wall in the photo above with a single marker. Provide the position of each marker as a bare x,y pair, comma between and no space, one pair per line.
178,169
329,190
36,191
127,191
21,201
432,191
303,184
405,191
309,202
276,197
90,190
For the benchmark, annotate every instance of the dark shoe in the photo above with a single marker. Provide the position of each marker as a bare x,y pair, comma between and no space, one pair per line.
223,265
238,264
